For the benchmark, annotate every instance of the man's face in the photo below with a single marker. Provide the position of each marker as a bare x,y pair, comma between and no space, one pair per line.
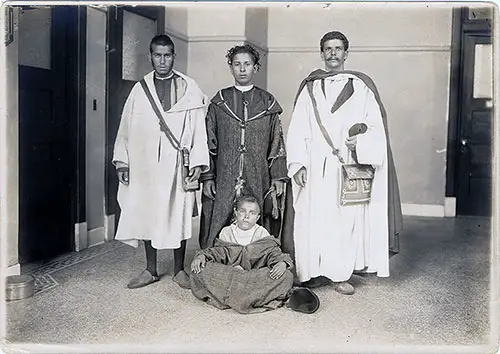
243,69
247,215
334,55
162,58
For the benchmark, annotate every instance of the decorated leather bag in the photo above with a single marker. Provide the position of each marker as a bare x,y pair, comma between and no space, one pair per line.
356,180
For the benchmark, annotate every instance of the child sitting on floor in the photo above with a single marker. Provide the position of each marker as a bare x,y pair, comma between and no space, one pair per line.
245,270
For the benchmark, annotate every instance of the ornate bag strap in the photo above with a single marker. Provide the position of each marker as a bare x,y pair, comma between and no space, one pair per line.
335,151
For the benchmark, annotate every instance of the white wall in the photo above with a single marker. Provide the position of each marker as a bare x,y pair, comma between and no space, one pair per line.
406,51
404,48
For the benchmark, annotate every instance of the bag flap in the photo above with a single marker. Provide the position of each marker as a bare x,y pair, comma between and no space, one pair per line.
359,171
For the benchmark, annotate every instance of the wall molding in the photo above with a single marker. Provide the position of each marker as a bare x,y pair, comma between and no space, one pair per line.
176,35
450,207
364,49
81,236
433,210
13,270
306,49
215,39
208,39
109,227
96,236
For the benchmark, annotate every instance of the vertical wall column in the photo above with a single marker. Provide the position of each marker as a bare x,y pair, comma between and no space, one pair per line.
203,35
212,31
9,154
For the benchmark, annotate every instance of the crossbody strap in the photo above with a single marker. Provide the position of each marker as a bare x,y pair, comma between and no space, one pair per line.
163,125
335,151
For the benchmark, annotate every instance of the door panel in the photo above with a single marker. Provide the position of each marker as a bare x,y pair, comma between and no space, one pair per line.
474,192
46,156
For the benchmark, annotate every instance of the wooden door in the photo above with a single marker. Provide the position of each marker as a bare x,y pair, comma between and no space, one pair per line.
46,147
474,195
471,113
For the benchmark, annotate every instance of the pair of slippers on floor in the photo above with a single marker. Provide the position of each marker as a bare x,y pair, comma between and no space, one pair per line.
146,278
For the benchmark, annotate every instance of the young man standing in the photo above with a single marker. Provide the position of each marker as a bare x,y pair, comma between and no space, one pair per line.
162,131
247,150
332,240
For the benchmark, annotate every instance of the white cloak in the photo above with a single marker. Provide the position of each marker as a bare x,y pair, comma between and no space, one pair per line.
154,205
332,240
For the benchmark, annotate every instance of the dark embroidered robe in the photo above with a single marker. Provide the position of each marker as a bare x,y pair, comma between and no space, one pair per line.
262,161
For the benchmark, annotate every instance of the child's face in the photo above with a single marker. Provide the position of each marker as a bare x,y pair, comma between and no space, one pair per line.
243,69
247,214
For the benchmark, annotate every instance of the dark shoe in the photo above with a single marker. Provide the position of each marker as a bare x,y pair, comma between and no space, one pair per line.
316,282
182,279
303,300
143,279
361,272
344,288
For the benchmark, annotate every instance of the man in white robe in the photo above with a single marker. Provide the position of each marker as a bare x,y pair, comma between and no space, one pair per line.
333,241
154,206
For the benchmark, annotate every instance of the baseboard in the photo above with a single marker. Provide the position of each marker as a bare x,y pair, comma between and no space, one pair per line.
81,236
13,270
433,210
450,207
109,227
96,236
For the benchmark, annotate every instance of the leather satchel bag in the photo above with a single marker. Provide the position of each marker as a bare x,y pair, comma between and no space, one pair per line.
183,152
356,180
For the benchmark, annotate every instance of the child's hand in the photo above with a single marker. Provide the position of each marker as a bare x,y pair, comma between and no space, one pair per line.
277,270
198,263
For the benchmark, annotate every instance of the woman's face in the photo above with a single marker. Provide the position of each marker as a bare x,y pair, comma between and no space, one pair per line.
247,214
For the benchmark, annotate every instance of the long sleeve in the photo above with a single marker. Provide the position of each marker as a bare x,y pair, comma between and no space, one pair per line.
275,255
211,134
371,147
120,153
299,135
199,150
277,152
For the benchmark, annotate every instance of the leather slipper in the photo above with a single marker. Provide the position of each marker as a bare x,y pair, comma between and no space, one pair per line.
182,279
143,279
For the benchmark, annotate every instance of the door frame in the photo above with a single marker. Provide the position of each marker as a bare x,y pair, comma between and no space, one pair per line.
79,69
460,25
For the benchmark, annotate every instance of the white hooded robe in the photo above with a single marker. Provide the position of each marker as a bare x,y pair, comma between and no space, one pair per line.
154,205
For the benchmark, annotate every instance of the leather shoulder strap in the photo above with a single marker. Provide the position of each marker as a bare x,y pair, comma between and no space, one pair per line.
335,151
163,125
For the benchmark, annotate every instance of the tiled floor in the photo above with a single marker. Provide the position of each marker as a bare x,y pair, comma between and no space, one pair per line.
437,295
42,272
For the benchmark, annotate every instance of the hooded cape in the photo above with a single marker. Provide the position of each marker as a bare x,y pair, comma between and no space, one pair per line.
395,216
